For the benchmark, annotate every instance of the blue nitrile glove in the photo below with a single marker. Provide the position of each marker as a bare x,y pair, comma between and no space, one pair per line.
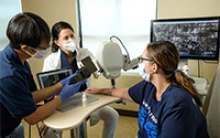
69,90
66,80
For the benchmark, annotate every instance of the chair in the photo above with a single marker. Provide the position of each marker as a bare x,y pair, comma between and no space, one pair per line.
202,85
211,108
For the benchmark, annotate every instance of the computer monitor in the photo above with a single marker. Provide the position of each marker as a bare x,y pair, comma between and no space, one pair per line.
195,38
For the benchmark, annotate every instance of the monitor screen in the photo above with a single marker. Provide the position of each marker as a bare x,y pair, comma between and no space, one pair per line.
195,38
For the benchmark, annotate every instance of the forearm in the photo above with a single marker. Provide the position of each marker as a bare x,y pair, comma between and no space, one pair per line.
43,111
45,93
117,92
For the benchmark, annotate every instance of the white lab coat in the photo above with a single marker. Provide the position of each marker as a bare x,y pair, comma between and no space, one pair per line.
53,61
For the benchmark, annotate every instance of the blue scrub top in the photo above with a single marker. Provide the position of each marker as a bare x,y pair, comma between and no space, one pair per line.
65,64
16,85
175,116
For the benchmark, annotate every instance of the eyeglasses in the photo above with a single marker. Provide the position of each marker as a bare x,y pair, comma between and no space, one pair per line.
141,59
42,48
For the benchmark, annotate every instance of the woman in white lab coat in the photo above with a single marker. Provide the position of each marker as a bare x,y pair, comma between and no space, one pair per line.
67,54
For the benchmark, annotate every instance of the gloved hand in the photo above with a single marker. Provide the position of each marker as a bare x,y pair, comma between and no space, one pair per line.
66,80
69,90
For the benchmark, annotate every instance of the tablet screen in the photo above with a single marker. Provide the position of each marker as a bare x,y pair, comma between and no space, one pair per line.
49,78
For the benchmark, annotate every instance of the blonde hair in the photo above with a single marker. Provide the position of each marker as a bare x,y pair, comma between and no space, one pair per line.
166,56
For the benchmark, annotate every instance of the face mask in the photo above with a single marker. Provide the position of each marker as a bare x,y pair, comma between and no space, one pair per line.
144,75
70,46
39,53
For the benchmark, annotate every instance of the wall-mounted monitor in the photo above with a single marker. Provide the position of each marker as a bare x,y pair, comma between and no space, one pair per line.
195,38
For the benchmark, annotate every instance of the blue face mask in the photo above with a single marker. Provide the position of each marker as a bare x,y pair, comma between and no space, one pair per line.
144,75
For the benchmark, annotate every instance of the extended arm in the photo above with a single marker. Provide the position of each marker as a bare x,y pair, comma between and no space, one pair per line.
45,93
65,90
117,92
48,108
43,111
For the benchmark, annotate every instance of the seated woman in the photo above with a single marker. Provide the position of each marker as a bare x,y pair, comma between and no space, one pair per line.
169,103
67,54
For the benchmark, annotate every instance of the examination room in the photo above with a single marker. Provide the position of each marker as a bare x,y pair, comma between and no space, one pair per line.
122,53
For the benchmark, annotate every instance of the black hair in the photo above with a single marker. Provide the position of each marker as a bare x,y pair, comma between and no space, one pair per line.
27,28
56,29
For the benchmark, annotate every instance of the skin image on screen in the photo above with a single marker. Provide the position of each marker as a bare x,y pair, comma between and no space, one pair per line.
195,39
52,79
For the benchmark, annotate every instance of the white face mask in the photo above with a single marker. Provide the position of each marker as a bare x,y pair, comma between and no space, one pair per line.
70,46
144,75
39,53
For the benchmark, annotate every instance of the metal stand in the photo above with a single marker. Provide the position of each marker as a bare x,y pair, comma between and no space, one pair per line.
113,85
73,133
79,132
29,128
82,131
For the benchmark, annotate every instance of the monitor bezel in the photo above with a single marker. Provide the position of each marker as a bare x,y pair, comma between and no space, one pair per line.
216,57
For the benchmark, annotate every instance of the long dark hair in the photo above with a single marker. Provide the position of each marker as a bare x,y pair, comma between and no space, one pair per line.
166,56
56,29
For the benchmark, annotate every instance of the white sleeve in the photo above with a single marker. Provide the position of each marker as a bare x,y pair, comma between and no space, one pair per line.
48,64
83,53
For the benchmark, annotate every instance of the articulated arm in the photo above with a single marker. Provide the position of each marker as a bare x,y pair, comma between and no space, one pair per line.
109,61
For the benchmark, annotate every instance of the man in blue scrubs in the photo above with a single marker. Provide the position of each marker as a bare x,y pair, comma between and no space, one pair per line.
29,36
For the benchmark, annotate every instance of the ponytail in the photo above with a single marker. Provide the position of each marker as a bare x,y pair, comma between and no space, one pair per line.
185,82
54,47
